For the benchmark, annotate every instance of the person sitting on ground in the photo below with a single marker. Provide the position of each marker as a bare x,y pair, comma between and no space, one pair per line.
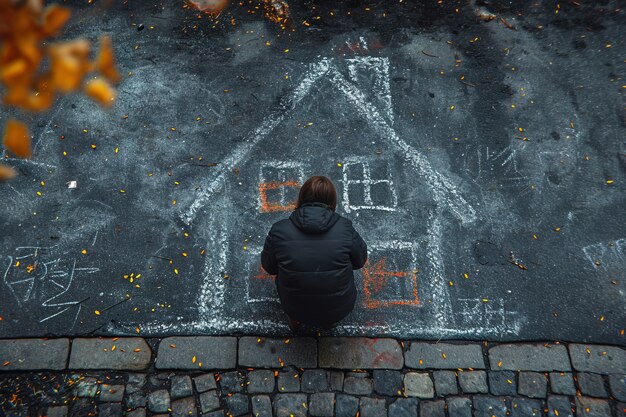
313,254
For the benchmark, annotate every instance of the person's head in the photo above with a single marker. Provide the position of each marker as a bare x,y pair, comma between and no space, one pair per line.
318,189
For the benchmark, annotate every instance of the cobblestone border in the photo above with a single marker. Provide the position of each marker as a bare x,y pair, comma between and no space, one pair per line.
348,353
305,376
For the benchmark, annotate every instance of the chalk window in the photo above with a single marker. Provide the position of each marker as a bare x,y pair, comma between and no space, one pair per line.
260,287
279,183
368,186
390,275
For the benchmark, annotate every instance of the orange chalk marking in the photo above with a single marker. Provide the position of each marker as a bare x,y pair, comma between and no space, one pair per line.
262,274
374,278
270,207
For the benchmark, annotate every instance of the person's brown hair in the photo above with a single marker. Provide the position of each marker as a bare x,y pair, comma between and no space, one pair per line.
318,189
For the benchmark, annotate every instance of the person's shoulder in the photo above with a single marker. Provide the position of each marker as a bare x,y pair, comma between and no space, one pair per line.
281,225
344,221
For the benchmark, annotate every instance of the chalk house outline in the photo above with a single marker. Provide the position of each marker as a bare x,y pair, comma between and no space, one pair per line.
211,299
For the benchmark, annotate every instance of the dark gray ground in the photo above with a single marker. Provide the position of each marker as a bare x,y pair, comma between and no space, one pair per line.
435,102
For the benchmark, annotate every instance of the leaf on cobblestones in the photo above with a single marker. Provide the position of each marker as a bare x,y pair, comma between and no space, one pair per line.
137,350
193,360
6,363
173,346
499,363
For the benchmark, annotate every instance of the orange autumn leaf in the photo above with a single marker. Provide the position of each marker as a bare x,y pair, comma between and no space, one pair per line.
16,139
17,95
106,60
28,46
6,173
69,62
54,18
100,91
14,70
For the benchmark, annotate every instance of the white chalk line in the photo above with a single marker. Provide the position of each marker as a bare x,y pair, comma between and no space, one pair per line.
597,251
269,123
226,325
211,297
380,67
444,191
367,183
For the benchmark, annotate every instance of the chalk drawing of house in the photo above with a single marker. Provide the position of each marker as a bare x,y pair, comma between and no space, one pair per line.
338,121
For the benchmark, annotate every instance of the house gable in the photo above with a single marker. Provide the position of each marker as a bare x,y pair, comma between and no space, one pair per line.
443,189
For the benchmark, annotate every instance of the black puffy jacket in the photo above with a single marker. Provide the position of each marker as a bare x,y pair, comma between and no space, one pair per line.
313,253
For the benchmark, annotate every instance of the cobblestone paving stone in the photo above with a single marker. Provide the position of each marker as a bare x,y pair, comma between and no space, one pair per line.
418,384
459,406
445,383
387,382
433,408
559,406
403,407
618,386
595,388
502,383
473,382
444,356
532,384
591,385
562,383
529,357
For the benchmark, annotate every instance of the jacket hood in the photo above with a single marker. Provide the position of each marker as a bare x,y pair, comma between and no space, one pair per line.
314,217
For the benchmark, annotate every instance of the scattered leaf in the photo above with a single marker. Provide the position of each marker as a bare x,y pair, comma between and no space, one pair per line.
6,172
16,139
100,91
54,18
106,60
